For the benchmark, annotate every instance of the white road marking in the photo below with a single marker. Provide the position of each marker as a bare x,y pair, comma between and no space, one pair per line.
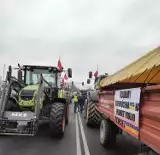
86,148
78,137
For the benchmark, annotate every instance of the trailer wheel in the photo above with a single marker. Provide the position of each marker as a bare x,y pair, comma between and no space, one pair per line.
93,117
57,119
107,134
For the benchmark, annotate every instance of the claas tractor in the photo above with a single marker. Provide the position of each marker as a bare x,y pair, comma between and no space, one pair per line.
36,94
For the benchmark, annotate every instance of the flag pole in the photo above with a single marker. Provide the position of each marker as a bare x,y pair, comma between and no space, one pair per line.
59,72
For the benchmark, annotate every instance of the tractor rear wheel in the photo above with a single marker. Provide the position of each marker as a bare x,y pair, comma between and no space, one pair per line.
58,119
93,117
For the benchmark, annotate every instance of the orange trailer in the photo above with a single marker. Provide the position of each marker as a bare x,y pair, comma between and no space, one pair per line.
129,100
149,122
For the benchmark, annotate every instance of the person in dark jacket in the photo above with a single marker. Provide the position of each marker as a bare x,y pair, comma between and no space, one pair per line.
81,103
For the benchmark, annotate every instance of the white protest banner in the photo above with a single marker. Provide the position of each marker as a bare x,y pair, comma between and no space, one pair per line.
126,109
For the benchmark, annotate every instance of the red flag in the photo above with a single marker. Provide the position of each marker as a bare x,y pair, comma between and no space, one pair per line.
60,67
96,74
65,77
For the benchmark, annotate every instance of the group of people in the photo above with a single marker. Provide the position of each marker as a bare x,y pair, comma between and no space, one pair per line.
78,101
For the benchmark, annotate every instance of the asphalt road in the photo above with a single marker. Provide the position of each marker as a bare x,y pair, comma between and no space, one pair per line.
78,140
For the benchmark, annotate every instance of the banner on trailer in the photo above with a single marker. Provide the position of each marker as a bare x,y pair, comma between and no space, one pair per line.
126,110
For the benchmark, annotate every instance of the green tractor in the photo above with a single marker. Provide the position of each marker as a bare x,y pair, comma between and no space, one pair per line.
36,95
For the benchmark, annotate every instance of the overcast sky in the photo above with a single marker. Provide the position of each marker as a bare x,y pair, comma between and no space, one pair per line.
84,33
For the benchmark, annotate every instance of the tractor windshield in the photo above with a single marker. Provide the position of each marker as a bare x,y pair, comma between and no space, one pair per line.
33,77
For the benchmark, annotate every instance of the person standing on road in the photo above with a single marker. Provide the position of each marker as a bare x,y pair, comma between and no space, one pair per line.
72,100
81,103
75,102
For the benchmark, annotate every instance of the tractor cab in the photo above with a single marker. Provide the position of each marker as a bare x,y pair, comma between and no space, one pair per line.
98,80
31,76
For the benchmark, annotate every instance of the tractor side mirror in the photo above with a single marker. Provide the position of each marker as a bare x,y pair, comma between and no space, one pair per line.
82,83
69,72
90,75
19,65
9,71
19,75
88,81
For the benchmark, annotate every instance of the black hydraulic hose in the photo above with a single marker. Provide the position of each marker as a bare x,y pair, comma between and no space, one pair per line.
45,80
22,84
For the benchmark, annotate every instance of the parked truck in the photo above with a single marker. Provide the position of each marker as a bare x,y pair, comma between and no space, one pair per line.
129,101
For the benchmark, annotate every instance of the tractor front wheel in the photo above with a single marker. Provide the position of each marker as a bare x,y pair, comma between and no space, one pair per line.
58,119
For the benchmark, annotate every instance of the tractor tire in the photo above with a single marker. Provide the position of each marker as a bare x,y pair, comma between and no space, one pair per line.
57,119
85,108
107,134
93,117
67,114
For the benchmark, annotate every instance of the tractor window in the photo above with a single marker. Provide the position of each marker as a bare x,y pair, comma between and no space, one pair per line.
34,77
27,79
50,78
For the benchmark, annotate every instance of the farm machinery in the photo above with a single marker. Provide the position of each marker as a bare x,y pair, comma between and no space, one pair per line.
36,94
91,113
129,102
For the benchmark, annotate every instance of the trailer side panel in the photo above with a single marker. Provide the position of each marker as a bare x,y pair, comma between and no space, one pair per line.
150,118
149,114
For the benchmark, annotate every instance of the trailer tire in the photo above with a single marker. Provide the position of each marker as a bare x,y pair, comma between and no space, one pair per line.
107,134
93,117
57,120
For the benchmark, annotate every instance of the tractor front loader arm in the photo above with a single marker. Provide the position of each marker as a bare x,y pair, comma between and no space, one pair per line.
10,82
39,97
